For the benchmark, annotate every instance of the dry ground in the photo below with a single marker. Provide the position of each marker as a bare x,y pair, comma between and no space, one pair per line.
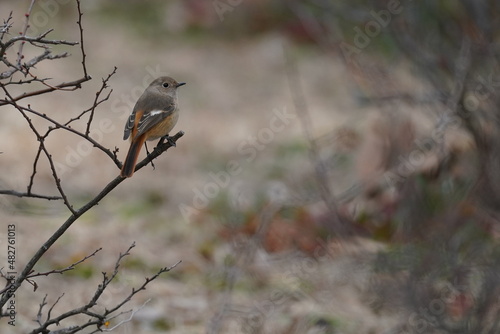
233,89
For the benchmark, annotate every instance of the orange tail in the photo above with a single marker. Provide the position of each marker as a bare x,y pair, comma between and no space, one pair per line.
132,155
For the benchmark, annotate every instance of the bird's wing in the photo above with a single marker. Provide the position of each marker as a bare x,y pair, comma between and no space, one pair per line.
129,125
155,116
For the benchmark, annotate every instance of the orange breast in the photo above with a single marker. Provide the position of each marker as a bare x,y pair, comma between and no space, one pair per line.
163,128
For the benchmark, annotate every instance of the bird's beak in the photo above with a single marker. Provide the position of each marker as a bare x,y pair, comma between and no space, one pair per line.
180,84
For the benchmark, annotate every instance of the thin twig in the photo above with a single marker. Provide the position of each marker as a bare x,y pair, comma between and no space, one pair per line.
21,82
46,55
142,287
40,309
23,33
73,85
52,307
59,125
29,195
82,48
35,163
41,139
7,24
37,41
70,267
132,313
97,101
320,169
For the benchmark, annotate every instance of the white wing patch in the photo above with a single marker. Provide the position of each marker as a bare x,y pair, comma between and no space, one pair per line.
155,112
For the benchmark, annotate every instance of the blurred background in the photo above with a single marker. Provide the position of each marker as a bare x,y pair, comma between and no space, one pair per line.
338,172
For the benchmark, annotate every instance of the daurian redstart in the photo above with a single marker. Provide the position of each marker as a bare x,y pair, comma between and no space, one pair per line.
153,117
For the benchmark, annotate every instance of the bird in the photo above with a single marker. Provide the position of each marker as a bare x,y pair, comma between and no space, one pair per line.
154,115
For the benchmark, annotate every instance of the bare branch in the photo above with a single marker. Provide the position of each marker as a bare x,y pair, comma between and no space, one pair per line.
4,29
28,274
85,309
41,139
25,81
52,307
36,41
29,194
40,308
159,149
70,267
72,85
23,34
59,125
39,41
98,319
80,26
142,287
132,313
78,213
97,101
35,163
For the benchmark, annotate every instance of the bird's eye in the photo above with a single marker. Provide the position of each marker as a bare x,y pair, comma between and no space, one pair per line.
165,84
